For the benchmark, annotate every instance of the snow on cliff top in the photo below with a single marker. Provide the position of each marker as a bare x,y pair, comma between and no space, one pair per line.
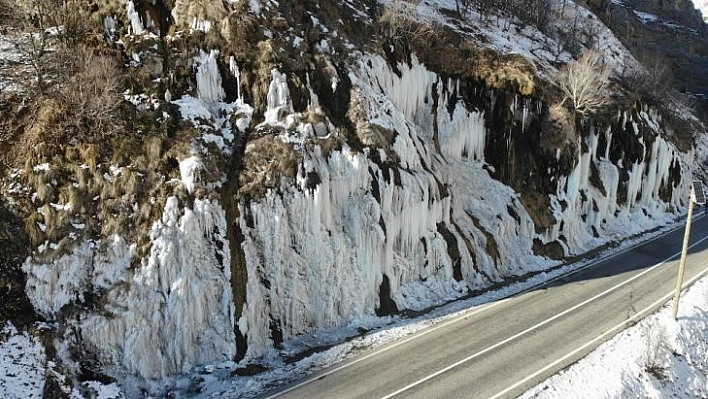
702,6
513,37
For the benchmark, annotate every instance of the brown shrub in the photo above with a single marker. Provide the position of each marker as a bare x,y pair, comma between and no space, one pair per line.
93,94
400,22
266,161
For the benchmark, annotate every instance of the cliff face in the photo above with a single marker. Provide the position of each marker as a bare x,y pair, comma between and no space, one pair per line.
283,174
672,33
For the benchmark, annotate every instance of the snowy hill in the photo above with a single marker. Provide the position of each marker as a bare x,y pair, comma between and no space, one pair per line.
239,183
702,6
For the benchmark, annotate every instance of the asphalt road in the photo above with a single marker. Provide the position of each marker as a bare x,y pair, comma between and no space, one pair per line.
505,347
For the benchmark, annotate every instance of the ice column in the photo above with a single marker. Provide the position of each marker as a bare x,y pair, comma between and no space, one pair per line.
208,78
136,23
278,97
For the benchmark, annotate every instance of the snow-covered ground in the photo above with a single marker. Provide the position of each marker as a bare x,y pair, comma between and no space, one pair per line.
702,6
22,364
657,358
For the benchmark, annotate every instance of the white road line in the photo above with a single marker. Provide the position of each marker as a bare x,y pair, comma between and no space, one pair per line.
601,337
532,328
476,310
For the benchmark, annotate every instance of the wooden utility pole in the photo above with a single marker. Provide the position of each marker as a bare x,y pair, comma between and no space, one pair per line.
697,196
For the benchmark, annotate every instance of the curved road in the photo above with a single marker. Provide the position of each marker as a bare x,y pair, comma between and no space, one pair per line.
505,347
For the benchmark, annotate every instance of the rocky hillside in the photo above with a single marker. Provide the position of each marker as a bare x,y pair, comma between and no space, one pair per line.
671,35
189,183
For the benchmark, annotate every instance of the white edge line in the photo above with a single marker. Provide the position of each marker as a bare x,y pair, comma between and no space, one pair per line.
532,328
475,310
645,312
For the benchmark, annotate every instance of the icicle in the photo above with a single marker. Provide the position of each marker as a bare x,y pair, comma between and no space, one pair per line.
208,78
233,67
314,100
136,22
278,97
204,26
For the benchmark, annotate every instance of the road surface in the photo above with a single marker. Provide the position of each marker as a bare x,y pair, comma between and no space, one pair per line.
505,347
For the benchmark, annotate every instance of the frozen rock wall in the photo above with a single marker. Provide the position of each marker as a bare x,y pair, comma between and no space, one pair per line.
169,314
353,234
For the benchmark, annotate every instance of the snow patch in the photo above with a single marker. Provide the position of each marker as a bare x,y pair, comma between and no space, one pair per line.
22,364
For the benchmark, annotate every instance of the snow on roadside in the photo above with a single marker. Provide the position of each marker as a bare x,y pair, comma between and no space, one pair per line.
658,358
23,364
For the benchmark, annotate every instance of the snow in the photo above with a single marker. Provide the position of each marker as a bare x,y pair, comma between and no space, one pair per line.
22,364
646,17
41,168
216,119
621,366
54,284
98,390
702,6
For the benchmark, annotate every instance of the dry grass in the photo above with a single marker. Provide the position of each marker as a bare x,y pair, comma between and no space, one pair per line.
557,128
447,53
401,23
185,11
266,161
93,94
505,71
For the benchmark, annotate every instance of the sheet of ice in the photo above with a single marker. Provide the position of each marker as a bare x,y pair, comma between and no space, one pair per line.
646,17
190,169
89,268
383,331
589,216
278,98
176,310
136,23
324,248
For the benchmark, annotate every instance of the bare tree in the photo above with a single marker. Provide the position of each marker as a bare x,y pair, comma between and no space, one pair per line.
584,82
32,19
93,92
